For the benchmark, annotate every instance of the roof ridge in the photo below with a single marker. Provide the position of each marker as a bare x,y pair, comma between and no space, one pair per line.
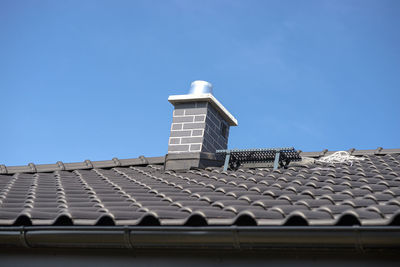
142,160
84,165
352,151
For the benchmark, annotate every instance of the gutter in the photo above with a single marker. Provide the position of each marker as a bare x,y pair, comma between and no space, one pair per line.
223,237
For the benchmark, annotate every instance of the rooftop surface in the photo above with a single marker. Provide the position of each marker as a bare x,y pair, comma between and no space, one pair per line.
139,192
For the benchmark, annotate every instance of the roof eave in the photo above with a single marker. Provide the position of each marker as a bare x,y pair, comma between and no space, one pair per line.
223,237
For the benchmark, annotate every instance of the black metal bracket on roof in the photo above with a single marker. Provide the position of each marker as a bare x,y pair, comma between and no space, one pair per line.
251,157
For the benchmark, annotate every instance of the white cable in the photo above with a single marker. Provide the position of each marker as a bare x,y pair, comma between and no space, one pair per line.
340,157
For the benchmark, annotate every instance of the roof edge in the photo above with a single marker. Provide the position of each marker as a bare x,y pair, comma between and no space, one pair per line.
229,237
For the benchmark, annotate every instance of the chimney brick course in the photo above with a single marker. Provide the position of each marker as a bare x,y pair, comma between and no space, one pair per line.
203,132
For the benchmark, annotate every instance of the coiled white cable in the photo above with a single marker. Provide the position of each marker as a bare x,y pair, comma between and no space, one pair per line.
340,157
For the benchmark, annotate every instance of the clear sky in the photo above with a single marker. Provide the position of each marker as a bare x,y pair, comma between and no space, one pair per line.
90,79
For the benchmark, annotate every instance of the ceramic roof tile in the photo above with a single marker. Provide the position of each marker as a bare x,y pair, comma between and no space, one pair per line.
111,193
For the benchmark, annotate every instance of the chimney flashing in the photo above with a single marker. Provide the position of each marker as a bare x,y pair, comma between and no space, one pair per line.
191,160
178,99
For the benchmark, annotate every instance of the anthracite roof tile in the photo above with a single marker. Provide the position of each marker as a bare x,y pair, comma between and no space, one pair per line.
132,192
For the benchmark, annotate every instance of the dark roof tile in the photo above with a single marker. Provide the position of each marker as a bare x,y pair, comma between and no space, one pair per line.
112,193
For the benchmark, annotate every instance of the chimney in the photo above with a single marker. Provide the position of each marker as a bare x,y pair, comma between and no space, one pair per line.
200,126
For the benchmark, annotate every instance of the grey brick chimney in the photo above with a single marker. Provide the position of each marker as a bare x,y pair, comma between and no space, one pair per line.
200,126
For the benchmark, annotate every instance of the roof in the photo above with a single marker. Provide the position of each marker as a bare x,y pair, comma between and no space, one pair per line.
137,193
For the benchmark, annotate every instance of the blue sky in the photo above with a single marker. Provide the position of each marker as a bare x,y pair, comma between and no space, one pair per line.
90,79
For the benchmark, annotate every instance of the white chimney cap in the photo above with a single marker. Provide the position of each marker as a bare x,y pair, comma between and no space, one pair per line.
200,87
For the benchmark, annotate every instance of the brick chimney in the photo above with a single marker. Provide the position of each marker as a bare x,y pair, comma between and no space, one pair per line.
200,126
